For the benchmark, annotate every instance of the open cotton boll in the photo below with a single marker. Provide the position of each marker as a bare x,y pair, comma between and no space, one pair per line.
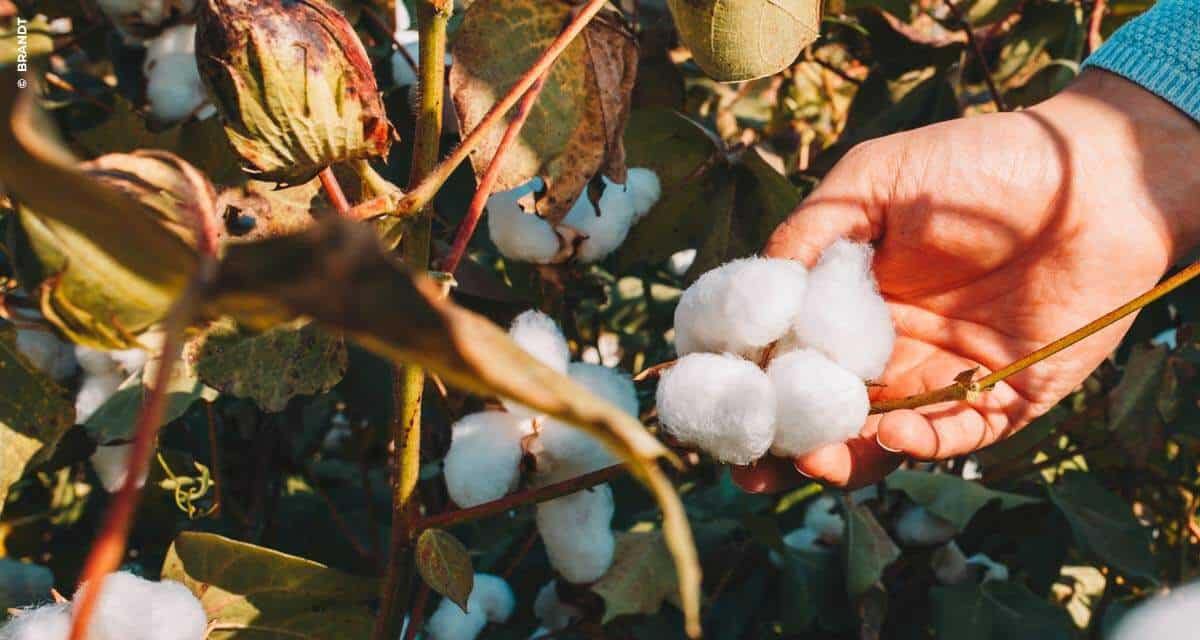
1166,617
606,231
553,613
804,540
51,622
564,451
110,462
484,458
577,533
719,403
817,402
539,335
133,608
173,85
491,600
124,362
992,570
823,518
740,307
50,355
844,316
645,189
94,392
403,72
519,235
917,526
609,384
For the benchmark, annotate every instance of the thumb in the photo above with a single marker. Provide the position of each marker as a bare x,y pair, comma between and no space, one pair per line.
845,205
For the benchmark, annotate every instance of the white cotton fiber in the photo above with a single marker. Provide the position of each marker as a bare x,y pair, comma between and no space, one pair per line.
804,540
611,385
110,463
917,526
552,612
50,355
173,85
844,316
576,530
740,307
94,392
491,600
1166,617
125,362
51,622
538,334
719,403
817,402
823,518
133,608
645,189
484,459
606,231
563,451
520,235
681,261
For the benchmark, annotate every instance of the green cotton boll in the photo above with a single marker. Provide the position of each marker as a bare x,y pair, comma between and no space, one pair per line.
293,85
734,40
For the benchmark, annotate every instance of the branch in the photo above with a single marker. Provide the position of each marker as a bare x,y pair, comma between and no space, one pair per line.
334,190
977,48
529,496
422,193
488,182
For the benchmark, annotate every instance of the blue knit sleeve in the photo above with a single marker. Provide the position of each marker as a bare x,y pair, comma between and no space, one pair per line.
1160,50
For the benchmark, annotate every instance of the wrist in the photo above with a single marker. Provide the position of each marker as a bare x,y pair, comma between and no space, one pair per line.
1130,152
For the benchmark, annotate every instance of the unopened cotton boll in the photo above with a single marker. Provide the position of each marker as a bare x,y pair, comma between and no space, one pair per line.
719,403
173,85
520,235
917,526
94,392
50,355
645,189
1171,616
564,451
817,402
133,608
740,307
484,459
110,463
606,230
576,530
551,611
844,316
491,600
823,518
51,622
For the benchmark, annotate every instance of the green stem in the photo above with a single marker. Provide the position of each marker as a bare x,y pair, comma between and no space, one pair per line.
432,17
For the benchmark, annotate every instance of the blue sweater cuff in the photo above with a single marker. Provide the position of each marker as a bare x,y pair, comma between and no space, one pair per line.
1161,77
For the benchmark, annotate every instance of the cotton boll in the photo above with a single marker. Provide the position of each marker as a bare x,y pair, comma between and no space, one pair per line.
553,613
485,453
681,261
491,600
992,570
110,462
804,540
822,517
576,531
129,361
50,355
51,622
94,392
740,307
609,384
844,316
564,451
97,362
719,403
403,20
645,189
606,231
949,564
176,614
917,526
518,235
173,85
1166,617
539,335
817,402
133,608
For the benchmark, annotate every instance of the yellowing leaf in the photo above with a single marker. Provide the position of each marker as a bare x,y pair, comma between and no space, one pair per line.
445,565
735,40
640,578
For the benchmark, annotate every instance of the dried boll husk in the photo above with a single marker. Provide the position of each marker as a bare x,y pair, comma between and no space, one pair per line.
293,85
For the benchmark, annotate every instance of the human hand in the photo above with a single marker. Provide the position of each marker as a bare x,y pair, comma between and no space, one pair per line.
995,235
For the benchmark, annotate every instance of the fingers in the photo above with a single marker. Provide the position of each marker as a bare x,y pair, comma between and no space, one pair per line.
852,464
767,475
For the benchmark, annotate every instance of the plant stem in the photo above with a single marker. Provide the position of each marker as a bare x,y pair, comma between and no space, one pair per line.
1095,21
106,553
963,389
432,17
334,190
420,194
977,49
530,496
488,182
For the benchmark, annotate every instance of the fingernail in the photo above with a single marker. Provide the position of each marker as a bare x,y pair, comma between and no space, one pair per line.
884,446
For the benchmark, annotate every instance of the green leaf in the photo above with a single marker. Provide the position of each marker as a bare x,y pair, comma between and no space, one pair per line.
951,497
252,592
271,368
1104,525
576,126
1041,29
983,12
640,577
34,413
1133,415
996,611
670,143
812,593
34,42
338,274
114,420
717,33
869,550
23,584
445,565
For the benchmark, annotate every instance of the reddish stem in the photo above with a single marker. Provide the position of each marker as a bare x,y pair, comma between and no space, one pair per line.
334,190
1095,38
417,616
490,176
541,494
